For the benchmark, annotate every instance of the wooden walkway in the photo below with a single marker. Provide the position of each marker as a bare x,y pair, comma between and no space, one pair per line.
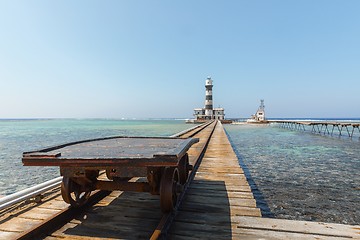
220,205
218,193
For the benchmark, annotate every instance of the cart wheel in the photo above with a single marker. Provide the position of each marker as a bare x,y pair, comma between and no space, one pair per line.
169,189
72,193
184,169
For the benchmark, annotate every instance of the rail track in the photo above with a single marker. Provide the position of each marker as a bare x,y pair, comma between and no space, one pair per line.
112,214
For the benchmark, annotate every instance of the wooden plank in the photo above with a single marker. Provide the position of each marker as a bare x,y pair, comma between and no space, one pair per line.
327,229
18,224
39,213
250,234
221,188
203,231
8,235
213,192
208,208
221,200
224,181
55,204
114,223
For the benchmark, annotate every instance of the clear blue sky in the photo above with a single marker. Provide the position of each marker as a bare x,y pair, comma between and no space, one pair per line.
150,59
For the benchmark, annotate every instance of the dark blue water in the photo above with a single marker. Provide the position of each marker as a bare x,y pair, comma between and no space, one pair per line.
300,175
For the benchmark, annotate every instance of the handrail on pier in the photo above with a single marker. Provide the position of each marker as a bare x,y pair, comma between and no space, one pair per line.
28,193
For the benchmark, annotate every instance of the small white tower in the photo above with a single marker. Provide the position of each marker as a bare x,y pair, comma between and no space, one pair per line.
208,98
260,114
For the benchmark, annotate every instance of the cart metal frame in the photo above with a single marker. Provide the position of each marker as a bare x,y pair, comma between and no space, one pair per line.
162,160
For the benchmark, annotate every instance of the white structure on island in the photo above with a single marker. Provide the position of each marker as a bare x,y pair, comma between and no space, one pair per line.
208,112
208,98
259,116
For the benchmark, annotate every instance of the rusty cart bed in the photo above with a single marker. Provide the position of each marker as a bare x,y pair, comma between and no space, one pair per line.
163,160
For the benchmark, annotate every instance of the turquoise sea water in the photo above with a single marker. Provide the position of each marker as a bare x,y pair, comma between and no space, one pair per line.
295,175
300,175
18,136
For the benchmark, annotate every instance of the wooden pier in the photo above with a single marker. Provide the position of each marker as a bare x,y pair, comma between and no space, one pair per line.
217,204
322,127
218,194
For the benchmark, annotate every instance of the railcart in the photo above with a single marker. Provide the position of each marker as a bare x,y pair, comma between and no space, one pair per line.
163,160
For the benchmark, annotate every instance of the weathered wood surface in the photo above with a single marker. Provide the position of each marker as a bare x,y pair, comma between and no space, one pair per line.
111,151
25,217
220,205
218,192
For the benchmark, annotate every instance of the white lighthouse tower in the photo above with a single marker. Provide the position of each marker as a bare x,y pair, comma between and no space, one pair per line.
208,98
208,112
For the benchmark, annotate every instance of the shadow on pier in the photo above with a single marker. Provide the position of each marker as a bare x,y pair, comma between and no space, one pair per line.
133,215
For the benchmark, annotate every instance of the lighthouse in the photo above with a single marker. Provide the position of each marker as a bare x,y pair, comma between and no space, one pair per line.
208,98
208,112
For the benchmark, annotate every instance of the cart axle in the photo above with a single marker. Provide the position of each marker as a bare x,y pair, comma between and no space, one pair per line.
123,186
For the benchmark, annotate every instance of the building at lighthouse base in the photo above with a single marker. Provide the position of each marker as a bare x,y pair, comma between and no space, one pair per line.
217,114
